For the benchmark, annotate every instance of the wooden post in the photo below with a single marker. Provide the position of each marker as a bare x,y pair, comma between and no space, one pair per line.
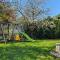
3,33
58,47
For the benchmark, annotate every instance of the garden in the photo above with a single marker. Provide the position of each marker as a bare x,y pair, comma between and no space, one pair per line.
28,31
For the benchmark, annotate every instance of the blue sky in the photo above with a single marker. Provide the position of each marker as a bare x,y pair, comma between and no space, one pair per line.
54,6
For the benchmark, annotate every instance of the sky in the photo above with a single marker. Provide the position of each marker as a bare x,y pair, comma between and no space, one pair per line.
54,6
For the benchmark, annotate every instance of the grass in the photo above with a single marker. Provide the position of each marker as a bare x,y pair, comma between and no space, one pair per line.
37,50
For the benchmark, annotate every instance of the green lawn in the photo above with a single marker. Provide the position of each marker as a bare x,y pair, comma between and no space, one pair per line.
36,50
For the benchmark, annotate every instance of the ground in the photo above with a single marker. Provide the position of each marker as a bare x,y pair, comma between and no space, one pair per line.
35,50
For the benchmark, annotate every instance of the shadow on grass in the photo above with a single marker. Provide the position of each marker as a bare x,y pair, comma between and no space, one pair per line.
25,53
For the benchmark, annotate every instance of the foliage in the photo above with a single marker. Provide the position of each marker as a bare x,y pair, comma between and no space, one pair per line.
48,28
6,12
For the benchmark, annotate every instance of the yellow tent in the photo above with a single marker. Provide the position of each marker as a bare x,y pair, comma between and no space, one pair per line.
17,37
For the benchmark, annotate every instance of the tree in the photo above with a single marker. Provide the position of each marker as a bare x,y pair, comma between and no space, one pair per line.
57,22
7,15
34,10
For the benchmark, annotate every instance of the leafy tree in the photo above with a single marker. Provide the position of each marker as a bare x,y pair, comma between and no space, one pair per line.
7,14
